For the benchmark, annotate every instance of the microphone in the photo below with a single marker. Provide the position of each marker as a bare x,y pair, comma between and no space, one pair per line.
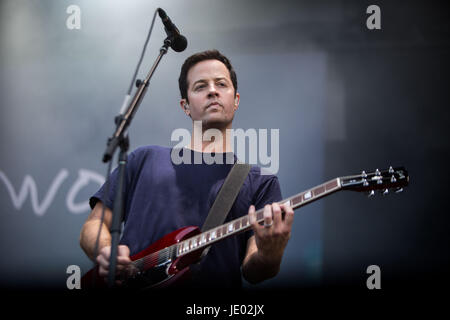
179,42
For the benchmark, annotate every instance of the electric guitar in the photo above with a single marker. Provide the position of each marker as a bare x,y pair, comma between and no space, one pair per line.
167,261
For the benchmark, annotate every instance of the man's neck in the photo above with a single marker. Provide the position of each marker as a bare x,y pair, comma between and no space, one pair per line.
215,142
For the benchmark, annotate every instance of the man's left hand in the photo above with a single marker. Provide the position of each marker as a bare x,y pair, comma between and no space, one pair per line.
272,237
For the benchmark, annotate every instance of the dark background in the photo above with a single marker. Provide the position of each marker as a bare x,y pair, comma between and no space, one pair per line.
396,84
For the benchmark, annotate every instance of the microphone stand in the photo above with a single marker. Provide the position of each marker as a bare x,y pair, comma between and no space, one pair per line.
120,139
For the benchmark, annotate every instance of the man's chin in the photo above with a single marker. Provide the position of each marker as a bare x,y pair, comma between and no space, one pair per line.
213,123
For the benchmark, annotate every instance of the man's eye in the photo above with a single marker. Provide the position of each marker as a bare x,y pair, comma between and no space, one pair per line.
222,84
199,87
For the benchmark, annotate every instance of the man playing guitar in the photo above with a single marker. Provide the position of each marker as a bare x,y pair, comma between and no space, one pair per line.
161,196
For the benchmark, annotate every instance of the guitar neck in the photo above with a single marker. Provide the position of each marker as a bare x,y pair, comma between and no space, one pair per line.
242,224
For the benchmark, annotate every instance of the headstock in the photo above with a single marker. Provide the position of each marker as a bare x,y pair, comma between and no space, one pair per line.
392,179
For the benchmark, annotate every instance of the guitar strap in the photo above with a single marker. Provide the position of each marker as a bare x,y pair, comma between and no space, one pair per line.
226,197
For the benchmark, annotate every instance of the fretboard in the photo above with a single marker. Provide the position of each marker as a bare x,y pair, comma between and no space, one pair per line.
242,224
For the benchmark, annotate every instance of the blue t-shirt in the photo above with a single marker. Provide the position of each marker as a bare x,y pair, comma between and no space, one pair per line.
161,197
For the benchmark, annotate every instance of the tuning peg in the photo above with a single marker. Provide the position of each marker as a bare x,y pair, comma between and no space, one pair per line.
393,180
378,176
371,194
365,183
385,192
364,174
391,170
399,190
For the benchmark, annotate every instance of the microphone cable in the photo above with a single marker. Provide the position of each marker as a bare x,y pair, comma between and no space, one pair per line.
133,79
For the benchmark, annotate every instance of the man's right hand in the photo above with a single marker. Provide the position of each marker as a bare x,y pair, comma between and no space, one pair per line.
123,266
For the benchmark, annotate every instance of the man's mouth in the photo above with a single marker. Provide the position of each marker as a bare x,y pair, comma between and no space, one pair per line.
213,104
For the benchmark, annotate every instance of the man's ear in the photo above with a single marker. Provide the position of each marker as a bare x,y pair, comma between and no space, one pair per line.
236,101
184,105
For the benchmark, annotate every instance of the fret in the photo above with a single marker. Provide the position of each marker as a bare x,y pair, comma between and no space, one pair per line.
259,215
224,230
331,185
230,227
244,221
219,232
195,242
237,225
318,191
296,200
213,234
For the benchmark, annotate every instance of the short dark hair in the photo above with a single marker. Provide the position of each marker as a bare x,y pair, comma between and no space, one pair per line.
198,57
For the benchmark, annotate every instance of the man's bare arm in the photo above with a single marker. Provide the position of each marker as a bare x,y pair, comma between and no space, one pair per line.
89,232
254,268
88,238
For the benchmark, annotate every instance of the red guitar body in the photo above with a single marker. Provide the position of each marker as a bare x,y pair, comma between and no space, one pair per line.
152,274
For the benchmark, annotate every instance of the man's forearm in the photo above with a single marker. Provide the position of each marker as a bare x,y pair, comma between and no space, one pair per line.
88,237
257,268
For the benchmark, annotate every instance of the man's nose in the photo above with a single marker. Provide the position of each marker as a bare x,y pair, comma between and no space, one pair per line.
212,91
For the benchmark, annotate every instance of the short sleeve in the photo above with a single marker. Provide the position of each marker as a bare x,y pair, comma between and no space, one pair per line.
108,196
268,192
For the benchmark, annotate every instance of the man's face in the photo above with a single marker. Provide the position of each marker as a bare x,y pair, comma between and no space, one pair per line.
211,95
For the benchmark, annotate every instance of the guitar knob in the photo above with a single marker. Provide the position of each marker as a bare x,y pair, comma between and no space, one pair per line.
365,183
393,180
371,194
385,192
391,170
399,190
377,172
364,174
